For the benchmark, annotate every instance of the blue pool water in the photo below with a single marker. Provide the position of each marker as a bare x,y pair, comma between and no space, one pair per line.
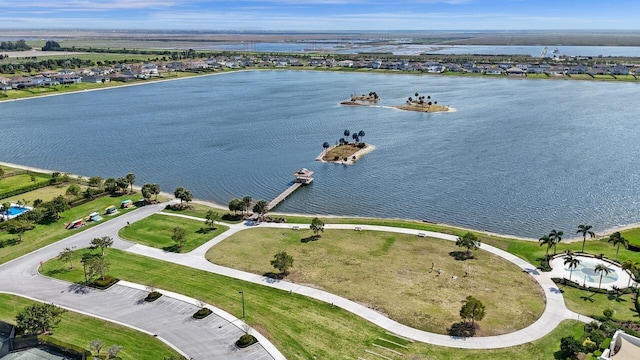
16,210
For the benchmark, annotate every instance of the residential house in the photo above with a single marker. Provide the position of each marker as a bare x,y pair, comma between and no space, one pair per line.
578,69
68,79
535,69
515,71
493,71
345,63
97,79
20,82
620,70
5,83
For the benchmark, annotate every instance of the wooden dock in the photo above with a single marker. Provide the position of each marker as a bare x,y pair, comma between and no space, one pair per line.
284,195
303,177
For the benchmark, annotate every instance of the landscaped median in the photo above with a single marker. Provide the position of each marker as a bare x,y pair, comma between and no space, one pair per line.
157,231
80,330
300,327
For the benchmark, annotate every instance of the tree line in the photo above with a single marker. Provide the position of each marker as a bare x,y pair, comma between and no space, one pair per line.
19,45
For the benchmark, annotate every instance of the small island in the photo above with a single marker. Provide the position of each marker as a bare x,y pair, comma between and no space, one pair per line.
362,100
345,152
422,104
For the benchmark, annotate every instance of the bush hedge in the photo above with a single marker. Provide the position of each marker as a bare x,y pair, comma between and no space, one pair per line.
202,313
592,289
246,340
104,284
153,296
24,189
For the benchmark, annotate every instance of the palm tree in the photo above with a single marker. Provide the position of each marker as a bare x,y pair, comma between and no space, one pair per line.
572,261
131,178
616,239
630,266
325,146
361,134
346,134
556,237
545,240
585,230
247,202
603,270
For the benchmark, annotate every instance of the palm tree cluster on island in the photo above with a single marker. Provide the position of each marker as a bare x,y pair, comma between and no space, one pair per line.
421,100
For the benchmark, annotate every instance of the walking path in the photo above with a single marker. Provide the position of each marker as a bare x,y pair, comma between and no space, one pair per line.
554,313
21,277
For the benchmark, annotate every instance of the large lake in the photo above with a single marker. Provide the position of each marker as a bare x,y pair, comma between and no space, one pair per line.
518,156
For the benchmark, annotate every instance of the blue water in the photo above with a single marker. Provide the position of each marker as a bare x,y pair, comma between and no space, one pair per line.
15,211
518,157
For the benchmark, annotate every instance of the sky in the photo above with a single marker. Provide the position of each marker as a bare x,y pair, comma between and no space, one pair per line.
321,15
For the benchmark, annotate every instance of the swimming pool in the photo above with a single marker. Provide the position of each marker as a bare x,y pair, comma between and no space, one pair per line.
15,210
585,274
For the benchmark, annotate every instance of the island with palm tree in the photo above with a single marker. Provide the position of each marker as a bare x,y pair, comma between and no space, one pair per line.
362,100
422,103
344,151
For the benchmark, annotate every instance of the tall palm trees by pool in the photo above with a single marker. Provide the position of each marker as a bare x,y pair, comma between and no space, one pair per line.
545,240
616,239
603,270
572,262
555,237
585,230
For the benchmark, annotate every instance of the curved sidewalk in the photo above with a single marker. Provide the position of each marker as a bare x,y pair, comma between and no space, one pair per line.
555,310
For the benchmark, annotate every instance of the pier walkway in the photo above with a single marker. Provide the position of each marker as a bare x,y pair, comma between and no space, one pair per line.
284,195
303,177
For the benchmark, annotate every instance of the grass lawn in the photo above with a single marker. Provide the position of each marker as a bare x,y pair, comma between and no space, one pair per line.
45,194
341,151
44,235
592,304
156,230
79,330
633,235
392,274
300,327
17,181
200,211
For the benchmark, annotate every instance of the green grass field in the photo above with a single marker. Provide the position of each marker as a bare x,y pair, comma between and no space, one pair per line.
392,274
45,194
17,181
592,304
300,327
200,211
79,330
156,230
44,235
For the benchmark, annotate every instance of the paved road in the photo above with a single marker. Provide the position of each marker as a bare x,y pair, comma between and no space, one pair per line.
168,318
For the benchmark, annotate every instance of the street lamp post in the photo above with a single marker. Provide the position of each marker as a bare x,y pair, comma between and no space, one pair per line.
242,293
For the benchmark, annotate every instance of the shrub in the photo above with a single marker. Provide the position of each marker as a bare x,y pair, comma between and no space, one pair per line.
153,296
462,329
246,340
570,347
336,158
608,313
362,145
202,313
104,284
63,347
544,265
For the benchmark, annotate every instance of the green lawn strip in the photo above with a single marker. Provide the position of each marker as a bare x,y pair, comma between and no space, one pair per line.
592,304
79,330
200,211
43,235
46,193
633,235
300,327
156,230
392,273
15,182
530,251
542,349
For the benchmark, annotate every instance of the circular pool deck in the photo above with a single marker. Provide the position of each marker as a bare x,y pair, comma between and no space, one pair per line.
584,273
